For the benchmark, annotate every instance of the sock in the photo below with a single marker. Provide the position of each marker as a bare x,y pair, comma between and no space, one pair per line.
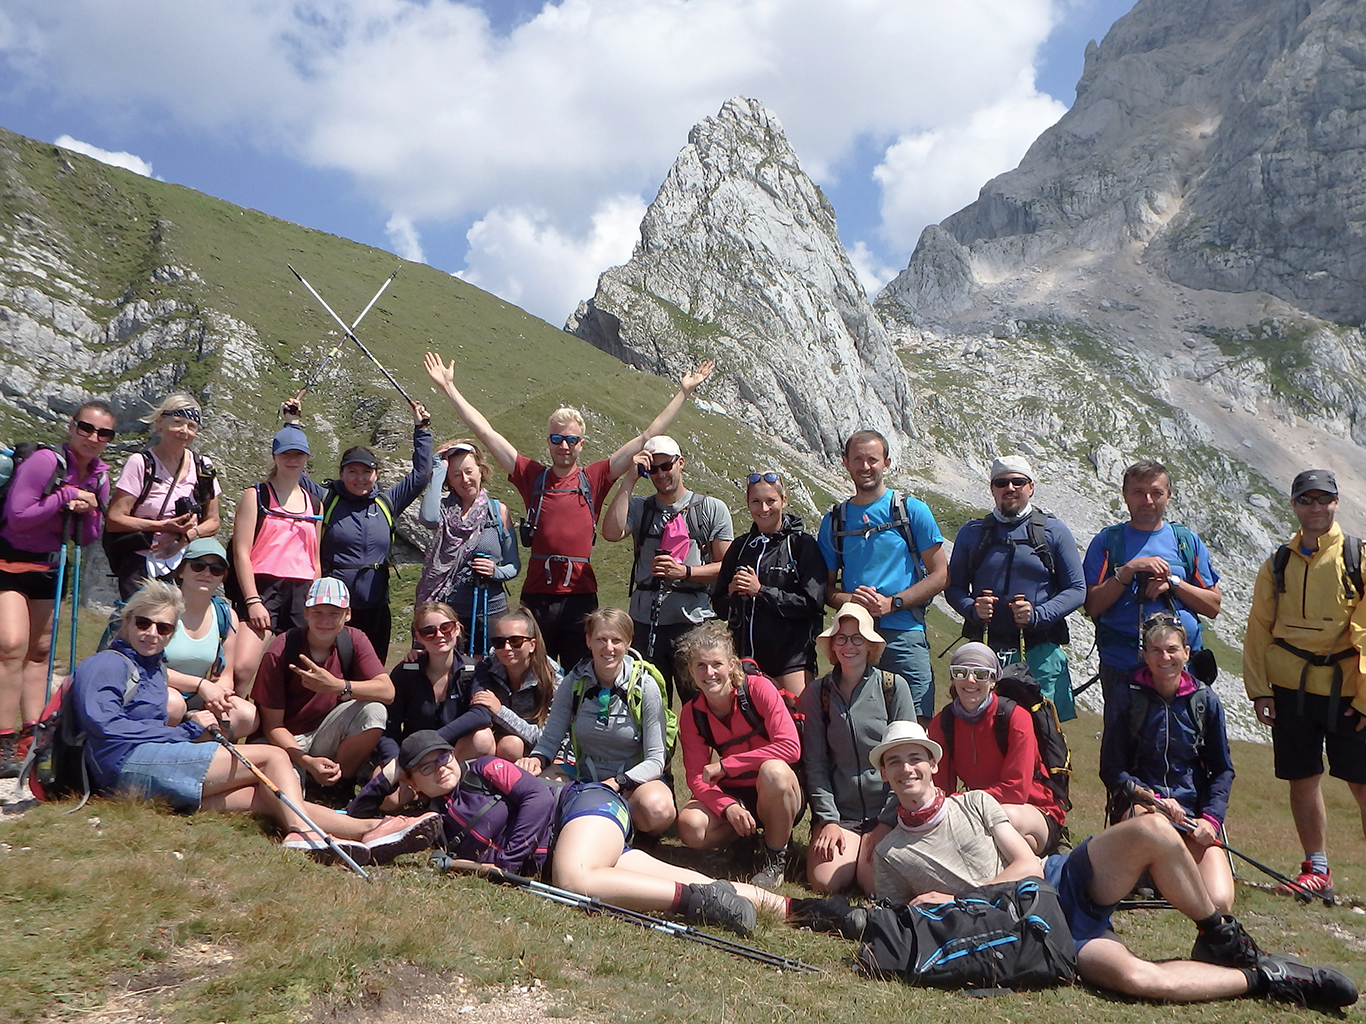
6,732
1256,981
787,907
776,850
1213,921
1318,861
679,890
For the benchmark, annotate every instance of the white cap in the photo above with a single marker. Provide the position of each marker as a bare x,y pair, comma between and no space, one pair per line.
662,444
1012,464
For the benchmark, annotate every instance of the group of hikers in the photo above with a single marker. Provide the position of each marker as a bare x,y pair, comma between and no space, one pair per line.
541,737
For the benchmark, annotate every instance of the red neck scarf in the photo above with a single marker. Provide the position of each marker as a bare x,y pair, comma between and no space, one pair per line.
926,817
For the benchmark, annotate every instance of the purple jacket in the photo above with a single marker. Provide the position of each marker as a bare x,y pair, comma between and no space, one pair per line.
33,520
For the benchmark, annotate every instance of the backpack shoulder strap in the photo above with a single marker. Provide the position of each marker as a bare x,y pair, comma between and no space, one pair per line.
985,539
747,708
586,489
838,513
1114,546
901,515
1199,702
888,692
346,651
1038,540
149,475
1005,707
1185,547
294,645
1139,697
205,475
703,723
1351,567
222,612
134,677
946,723
650,509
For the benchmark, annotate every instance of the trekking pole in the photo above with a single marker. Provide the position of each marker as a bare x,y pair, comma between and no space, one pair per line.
592,905
57,607
1143,796
317,374
75,607
474,616
217,734
1015,600
350,334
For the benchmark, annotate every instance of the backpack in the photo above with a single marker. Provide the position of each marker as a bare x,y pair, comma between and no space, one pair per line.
634,699
1006,935
205,475
1017,686
901,520
749,711
55,767
1352,587
12,458
653,518
223,620
232,588
294,646
1185,548
1037,540
526,526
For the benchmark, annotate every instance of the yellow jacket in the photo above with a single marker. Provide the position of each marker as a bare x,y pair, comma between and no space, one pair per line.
1314,614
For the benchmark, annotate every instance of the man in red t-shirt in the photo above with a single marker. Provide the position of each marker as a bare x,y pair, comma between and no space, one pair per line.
563,501
326,716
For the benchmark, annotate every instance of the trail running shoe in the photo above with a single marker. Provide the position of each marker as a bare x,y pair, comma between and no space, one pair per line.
1290,981
1227,945
833,915
398,835
774,870
10,761
718,903
321,852
1316,883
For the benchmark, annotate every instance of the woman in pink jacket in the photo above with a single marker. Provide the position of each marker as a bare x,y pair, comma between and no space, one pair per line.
56,493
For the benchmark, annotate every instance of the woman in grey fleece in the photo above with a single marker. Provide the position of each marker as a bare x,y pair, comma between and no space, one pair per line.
847,712
612,744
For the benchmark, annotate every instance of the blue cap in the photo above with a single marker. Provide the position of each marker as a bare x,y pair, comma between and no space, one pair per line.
290,438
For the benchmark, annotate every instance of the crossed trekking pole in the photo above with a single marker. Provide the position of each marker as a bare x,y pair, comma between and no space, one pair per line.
1138,794
593,905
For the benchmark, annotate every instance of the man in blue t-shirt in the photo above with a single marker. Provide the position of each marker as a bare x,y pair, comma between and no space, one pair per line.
888,555
1144,566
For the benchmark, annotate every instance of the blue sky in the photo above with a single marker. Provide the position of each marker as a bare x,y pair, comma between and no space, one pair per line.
517,142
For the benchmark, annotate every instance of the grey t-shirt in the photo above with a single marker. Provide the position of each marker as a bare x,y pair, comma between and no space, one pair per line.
708,520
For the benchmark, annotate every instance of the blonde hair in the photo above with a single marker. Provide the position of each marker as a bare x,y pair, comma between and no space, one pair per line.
710,636
478,454
566,414
150,596
171,403
610,618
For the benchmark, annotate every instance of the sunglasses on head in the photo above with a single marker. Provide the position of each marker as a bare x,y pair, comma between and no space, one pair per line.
666,465
431,766
515,642
1003,482
569,439
962,672
768,478
1322,499
90,430
446,628
142,623
204,565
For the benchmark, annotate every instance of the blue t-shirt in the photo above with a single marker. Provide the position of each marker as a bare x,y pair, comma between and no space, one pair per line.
1117,632
883,560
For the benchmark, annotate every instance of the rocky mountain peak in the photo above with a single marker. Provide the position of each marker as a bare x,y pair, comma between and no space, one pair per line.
739,258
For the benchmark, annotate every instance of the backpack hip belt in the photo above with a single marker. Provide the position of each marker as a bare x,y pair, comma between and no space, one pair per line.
568,561
1334,661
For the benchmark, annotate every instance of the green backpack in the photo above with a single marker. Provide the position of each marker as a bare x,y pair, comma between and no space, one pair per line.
634,698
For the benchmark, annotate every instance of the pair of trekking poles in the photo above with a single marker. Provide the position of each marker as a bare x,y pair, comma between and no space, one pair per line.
67,531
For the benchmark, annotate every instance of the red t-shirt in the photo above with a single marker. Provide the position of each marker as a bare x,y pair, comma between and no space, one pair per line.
565,527
279,689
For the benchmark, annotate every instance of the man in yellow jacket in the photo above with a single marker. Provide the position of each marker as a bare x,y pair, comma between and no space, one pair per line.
1302,665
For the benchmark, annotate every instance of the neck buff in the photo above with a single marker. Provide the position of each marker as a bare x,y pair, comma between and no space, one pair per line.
925,819
964,715
1013,520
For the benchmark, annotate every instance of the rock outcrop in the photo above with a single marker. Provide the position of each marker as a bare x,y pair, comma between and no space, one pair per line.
739,259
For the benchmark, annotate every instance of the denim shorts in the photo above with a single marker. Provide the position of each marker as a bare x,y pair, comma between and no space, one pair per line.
173,772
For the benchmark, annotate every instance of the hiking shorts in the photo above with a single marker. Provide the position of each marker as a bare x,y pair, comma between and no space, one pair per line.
173,772
34,584
283,600
1070,874
593,799
347,719
1298,741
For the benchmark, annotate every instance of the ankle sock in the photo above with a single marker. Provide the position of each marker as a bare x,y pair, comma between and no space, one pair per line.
1213,921
679,890
1318,861
1256,981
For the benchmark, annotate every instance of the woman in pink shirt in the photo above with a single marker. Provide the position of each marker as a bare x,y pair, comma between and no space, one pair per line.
275,538
55,493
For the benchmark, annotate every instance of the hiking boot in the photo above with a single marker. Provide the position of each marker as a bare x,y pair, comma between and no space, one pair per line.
1290,981
774,869
1227,945
1309,884
9,756
833,915
322,853
718,903
398,835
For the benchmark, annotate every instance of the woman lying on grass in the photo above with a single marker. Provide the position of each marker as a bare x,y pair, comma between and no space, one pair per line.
119,697
496,813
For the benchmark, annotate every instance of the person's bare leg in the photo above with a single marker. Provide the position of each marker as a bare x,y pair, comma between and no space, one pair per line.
779,799
479,743
355,749
1359,792
1030,822
1311,818
250,646
652,807
1106,963
35,660
1121,853
511,748
13,651
794,682
1217,873
700,829
586,859
840,871
642,863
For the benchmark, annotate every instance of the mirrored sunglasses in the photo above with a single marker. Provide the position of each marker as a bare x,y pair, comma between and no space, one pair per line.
768,478
569,439
961,672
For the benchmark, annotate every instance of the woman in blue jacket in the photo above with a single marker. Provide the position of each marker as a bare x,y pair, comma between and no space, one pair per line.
1168,738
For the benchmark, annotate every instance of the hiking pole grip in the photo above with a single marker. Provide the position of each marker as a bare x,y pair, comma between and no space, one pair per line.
217,735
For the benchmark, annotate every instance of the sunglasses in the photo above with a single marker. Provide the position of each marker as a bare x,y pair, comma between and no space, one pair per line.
142,623
204,565
446,628
840,639
430,767
569,439
1002,483
982,675
666,465
90,430
1322,499
515,642
768,478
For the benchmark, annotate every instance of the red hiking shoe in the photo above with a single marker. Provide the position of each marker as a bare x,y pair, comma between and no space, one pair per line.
1309,881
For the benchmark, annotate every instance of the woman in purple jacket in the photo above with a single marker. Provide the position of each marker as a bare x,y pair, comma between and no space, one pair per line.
54,494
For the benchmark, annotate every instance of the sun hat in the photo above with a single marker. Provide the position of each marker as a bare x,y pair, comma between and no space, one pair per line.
855,611
898,733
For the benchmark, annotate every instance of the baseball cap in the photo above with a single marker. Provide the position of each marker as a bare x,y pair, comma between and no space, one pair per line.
1314,480
290,438
360,455
419,745
201,546
328,591
662,444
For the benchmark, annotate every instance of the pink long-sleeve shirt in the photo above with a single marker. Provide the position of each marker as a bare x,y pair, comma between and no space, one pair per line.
33,520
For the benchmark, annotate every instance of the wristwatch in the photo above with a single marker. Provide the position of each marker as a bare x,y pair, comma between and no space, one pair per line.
897,603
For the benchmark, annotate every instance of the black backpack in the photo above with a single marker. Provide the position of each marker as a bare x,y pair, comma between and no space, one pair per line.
294,646
1017,685
1037,540
1007,935
653,520
1117,804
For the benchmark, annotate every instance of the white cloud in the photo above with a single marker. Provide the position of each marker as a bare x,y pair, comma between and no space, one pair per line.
928,175
872,272
127,161
519,254
404,237
441,120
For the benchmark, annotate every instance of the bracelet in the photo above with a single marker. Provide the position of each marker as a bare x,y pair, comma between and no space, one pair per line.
687,572
254,600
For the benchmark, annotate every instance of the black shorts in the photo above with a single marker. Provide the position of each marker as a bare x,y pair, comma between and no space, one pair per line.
560,617
37,585
284,600
1299,740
